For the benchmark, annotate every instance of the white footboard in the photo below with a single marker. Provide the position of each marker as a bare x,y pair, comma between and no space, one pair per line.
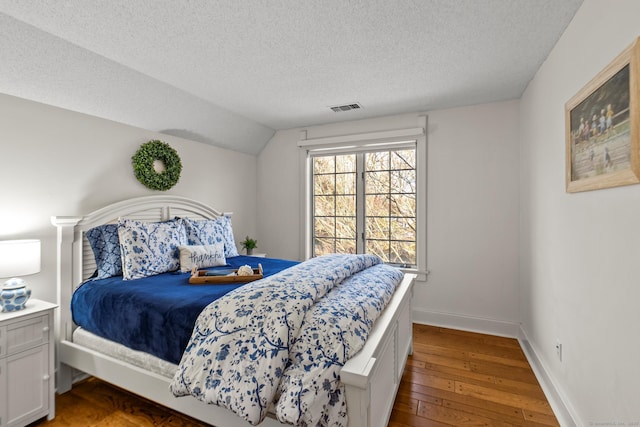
372,377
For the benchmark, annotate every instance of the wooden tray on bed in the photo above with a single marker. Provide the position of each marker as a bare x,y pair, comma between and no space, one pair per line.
199,277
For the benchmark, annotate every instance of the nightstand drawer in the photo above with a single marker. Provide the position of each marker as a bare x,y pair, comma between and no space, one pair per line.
25,334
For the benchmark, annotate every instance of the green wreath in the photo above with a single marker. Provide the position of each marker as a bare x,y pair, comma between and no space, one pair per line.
143,168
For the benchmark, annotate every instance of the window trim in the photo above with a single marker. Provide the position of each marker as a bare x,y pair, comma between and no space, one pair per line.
369,141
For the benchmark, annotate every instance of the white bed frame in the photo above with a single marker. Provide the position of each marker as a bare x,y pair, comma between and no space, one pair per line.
371,377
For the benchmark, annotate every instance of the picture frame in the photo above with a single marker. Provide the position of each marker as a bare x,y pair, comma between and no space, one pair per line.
602,124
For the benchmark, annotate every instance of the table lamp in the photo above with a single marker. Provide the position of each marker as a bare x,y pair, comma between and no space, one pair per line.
17,258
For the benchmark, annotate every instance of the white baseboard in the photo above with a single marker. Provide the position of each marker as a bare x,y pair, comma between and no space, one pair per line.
510,330
566,417
466,323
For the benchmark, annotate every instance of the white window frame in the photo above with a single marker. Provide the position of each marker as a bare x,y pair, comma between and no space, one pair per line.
369,141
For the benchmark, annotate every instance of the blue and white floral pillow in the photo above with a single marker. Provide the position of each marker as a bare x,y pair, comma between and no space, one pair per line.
210,232
105,245
150,248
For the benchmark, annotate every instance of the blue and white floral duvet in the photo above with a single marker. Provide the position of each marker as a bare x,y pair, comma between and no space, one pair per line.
279,343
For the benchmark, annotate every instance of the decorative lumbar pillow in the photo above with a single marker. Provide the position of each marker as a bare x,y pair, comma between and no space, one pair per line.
201,256
105,244
150,248
212,231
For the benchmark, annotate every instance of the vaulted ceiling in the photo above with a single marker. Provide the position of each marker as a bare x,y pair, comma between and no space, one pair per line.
231,72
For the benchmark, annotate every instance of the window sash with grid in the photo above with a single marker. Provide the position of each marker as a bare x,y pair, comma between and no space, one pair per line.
348,203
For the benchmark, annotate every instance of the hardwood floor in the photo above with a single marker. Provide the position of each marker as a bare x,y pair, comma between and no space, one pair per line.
466,379
93,402
454,378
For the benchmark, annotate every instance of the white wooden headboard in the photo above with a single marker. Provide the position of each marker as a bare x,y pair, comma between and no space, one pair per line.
75,261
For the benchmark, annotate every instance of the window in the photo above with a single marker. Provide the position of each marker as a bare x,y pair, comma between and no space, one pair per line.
390,205
334,204
365,202
366,193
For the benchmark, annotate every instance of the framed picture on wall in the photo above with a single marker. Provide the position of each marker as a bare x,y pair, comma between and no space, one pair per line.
602,127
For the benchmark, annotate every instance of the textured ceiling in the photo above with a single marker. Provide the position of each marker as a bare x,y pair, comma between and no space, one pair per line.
230,72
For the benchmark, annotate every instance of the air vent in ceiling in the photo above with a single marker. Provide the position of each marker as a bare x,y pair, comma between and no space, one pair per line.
346,107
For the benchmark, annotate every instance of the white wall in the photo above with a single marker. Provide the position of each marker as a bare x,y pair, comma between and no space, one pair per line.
57,162
278,197
472,218
579,252
472,229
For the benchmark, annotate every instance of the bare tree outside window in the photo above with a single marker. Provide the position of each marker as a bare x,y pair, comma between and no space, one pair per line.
389,200
334,202
390,208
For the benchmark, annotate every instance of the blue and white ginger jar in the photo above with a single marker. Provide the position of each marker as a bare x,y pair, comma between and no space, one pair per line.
14,295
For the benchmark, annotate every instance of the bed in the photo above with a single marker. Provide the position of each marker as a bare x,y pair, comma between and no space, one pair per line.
370,378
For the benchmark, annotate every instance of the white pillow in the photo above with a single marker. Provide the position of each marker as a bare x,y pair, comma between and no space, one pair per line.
201,256
150,248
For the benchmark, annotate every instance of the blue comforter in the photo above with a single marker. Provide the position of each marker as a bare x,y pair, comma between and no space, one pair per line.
155,314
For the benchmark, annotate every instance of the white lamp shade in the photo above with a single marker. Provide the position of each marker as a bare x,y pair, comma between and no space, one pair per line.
19,257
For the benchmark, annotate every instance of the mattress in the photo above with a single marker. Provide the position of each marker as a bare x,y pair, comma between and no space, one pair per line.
118,351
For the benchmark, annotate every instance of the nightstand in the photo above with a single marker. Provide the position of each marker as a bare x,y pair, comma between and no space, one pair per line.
262,255
27,364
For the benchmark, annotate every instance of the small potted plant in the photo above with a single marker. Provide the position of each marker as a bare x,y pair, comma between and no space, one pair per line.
249,245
